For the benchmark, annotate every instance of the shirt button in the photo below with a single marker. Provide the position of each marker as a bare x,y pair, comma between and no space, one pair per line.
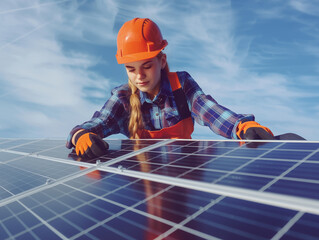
157,114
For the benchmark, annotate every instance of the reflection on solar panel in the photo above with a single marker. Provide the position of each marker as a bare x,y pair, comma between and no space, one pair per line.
160,189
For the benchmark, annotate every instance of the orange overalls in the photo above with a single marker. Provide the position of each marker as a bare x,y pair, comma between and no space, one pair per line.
184,128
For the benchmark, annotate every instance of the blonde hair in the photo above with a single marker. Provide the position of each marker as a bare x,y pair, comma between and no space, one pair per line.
136,117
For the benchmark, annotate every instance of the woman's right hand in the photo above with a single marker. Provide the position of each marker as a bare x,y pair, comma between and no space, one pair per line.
89,145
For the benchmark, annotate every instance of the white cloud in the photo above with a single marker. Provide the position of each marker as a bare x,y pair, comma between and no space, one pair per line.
39,76
43,74
310,7
312,50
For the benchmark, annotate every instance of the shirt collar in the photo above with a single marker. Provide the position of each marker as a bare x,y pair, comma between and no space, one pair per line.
165,90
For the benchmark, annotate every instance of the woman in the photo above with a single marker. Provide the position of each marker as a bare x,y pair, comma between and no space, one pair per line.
156,103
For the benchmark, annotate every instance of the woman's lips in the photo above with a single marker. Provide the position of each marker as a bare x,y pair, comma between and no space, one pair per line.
142,83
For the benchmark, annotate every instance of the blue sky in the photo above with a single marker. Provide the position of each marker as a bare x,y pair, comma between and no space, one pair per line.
58,66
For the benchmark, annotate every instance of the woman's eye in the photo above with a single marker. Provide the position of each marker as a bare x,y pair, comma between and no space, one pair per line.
131,70
147,67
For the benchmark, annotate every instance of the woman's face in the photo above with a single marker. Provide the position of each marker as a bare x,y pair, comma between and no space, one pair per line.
146,74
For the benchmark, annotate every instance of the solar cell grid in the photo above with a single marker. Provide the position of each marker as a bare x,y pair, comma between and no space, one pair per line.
16,180
89,200
62,221
295,188
310,170
37,146
314,157
47,169
5,157
256,170
4,193
11,143
300,146
305,228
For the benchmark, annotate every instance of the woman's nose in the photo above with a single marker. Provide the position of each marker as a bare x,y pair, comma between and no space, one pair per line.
141,74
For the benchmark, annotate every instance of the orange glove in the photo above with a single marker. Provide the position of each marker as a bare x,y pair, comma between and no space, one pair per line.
252,130
89,145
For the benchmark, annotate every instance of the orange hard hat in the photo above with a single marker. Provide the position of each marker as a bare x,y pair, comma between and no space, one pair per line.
139,39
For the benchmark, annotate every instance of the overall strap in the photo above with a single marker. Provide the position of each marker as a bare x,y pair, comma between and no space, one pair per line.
179,95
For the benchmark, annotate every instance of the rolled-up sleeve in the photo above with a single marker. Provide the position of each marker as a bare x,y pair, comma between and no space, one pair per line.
207,112
111,119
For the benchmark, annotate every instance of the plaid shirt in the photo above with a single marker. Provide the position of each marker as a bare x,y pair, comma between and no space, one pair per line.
162,112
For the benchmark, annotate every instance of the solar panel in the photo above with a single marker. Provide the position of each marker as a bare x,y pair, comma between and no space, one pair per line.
160,189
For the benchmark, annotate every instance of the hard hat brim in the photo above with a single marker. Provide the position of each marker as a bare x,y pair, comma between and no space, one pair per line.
137,56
